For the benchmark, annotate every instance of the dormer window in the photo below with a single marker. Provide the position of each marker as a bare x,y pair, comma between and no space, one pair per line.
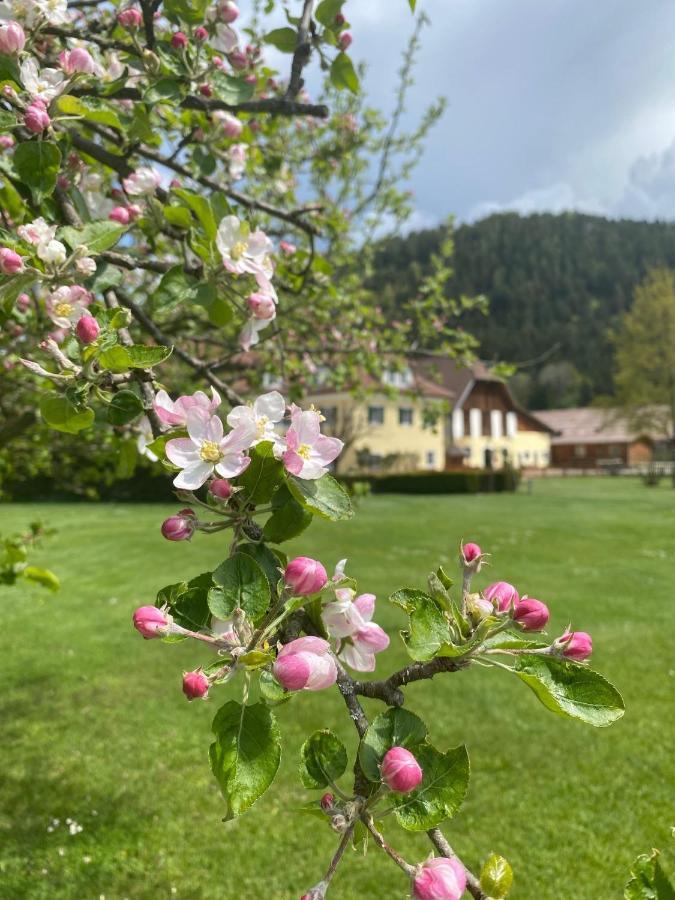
402,379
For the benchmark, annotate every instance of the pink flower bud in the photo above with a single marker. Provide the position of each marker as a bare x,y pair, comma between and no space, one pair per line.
580,645
12,38
344,40
6,141
251,79
201,33
36,118
205,90
327,802
229,12
77,60
10,262
195,685
238,59
23,302
305,576
305,664
120,214
531,614
221,488
287,248
130,18
151,622
400,770
180,527
179,40
230,124
502,594
471,552
218,62
340,19
439,879
262,306
87,329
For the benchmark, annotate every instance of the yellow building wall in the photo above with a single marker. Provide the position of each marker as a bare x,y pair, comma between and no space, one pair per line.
530,449
412,442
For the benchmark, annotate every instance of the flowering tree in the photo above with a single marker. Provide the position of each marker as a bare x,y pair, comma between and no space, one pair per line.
168,201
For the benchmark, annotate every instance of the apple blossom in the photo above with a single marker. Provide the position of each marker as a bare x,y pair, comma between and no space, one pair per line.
305,576
305,452
261,415
77,61
226,40
400,770
180,527
52,252
86,266
36,118
10,262
242,250
327,801
237,160
238,59
305,664
6,141
179,40
120,214
344,40
230,124
66,304
348,618
201,33
439,878
531,614
206,449
151,622
221,488
577,645
87,329
287,247
142,182
195,685
228,11
54,11
12,38
37,232
503,594
175,413
130,18
471,552
45,84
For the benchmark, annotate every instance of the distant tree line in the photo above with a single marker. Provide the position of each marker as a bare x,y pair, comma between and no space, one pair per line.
557,287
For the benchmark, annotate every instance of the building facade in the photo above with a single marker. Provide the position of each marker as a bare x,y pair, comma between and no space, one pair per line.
595,439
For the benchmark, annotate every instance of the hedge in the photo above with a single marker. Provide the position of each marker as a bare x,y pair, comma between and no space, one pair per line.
470,482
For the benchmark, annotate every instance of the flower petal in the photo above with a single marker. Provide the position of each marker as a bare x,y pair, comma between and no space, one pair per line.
194,475
182,452
271,405
233,464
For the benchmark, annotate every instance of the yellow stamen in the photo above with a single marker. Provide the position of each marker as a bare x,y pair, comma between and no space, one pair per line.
261,424
305,451
63,309
210,451
315,409
238,250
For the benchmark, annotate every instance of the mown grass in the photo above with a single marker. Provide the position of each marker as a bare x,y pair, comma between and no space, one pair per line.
95,728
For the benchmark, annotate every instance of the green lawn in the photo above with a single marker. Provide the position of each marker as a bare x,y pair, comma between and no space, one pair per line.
95,728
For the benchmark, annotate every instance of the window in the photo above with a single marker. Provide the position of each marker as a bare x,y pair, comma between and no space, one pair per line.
475,422
430,458
398,379
511,424
405,415
580,450
458,423
376,415
271,381
496,422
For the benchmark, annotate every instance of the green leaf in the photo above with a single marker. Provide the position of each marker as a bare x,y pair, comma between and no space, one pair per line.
394,728
496,877
175,287
412,4
428,632
37,164
138,356
96,236
441,793
201,208
270,561
263,475
570,689
10,289
231,89
93,109
326,12
41,576
343,75
284,39
245,754
124,407
178,216
61,413
187,602
323,759
324,497
270,689
190,11
240,582
288,520
648,880
164,91
9,69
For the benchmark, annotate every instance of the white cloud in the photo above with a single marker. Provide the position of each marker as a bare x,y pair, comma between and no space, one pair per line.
555,198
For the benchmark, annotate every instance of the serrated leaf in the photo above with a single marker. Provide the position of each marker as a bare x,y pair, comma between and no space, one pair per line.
288,520
245,754
648,880
442,791
96,236
230,89
138,356
263,474
239,582
496,877
178,216
323,497
124,407
175,287
92,109
394,728
201,208
187,602
323,759
37,164
570,689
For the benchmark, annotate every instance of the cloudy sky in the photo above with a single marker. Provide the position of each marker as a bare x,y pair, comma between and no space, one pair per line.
552,104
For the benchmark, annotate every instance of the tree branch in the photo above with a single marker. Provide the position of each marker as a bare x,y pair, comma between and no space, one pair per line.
303,51
437,838
388,691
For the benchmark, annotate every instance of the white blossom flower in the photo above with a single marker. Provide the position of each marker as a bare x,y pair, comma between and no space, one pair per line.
43,84
52,252
306,452
67,304
37,231
145,437
261,416
54,11
142,182
242,250
237,160
226,39
206,449
86,265
348,618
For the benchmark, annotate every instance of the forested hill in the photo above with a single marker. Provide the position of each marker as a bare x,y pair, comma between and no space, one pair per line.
550,279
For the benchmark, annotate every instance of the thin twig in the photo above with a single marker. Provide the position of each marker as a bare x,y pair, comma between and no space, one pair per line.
439,841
